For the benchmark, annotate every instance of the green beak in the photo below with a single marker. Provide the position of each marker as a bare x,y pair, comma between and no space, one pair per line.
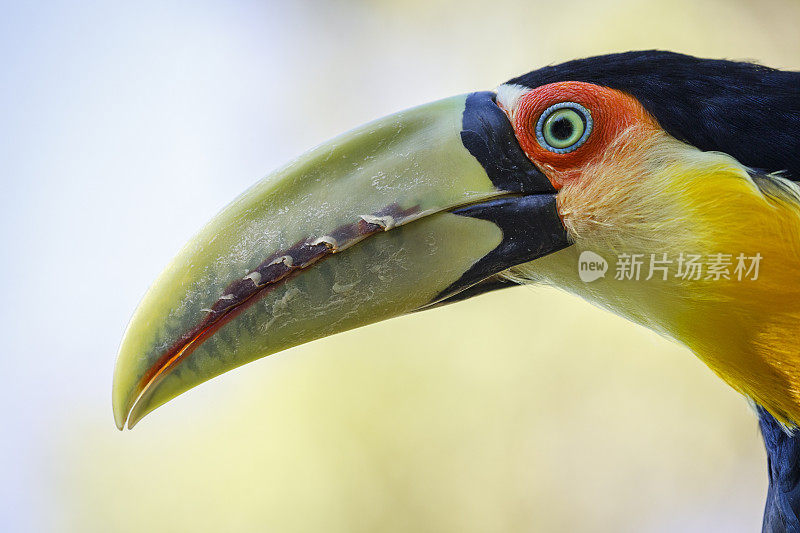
419,208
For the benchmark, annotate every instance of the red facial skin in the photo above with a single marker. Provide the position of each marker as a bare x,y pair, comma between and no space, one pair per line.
612,113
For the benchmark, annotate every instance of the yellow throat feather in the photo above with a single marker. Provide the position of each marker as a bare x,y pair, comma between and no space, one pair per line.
651,194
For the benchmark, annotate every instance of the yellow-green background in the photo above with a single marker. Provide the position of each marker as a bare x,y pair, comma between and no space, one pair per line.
127,126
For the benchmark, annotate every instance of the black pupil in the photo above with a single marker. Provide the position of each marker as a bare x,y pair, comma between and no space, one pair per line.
562,128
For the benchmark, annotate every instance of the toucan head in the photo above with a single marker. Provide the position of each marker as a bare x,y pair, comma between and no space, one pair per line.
637,155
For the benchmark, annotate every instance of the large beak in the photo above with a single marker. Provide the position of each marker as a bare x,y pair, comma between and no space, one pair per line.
416,209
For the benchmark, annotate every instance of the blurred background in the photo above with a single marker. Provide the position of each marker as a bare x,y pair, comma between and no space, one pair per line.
126,126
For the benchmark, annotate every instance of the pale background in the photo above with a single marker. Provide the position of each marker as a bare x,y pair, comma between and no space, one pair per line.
125,126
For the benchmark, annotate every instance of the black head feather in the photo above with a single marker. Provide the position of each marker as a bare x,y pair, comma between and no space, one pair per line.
751,112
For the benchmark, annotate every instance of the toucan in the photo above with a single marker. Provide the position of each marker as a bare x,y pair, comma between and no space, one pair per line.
660,186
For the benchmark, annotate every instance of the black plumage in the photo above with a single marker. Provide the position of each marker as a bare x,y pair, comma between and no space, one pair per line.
749,111
782,510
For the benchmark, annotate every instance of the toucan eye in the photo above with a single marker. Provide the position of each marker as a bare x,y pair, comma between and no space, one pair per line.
563,127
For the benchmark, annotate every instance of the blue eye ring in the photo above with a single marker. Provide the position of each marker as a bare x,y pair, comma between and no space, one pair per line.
575,116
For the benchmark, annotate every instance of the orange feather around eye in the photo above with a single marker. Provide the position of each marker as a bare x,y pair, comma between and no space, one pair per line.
613,112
